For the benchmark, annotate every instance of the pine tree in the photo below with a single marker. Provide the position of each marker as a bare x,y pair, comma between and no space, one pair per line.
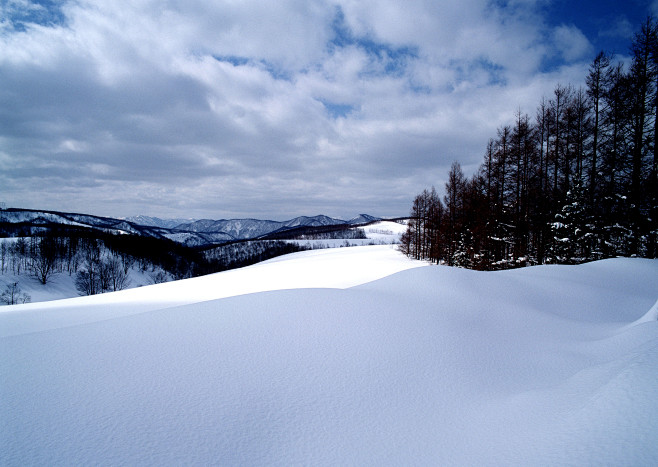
573,231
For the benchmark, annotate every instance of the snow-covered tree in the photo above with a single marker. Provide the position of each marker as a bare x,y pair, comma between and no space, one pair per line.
573,230
462,256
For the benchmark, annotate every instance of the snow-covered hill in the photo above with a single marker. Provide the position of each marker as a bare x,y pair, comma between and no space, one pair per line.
353,356
376,233
62,285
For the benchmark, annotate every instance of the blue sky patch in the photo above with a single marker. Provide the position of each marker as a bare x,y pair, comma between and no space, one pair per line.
232,59
392,60
38,12
337,110
275,71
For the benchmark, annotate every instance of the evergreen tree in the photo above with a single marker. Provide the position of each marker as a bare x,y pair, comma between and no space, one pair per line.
573,231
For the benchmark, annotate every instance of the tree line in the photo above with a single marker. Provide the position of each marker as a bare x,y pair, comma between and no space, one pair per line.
247,252
573,183
98,264
101,262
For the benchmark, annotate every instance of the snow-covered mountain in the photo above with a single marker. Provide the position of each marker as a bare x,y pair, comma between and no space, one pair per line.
352,356
315,221
236,228
157,222
29,217
254,228
189,232
362,219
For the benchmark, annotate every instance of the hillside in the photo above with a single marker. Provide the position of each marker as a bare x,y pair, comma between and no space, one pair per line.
62,284
352,356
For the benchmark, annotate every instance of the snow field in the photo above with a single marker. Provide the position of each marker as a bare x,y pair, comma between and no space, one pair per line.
378,233
359,358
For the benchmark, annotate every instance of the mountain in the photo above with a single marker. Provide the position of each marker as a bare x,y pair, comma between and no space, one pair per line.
236,228
243,229
30,220
157,222
186,231
315,221
363,219
26,222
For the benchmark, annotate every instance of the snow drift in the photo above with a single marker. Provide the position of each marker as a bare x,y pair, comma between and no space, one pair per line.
377,362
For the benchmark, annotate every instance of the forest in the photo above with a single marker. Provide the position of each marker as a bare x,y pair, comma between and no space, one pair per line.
575,182
100,262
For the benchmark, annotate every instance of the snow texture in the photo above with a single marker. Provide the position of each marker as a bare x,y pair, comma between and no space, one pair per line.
352,356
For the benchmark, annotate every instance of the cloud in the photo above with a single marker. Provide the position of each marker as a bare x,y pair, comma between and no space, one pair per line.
218,109
571,43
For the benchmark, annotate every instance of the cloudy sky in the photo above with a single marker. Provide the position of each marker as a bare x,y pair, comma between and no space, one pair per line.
273,109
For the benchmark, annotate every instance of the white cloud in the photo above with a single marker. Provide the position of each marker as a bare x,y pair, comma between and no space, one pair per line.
203,108
571,43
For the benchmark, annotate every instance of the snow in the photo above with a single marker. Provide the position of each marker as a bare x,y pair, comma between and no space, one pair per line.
352,356
378,233
61,285
388,231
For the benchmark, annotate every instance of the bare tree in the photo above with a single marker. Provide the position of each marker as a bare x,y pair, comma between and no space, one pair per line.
117,276
13,295
4,253
43,257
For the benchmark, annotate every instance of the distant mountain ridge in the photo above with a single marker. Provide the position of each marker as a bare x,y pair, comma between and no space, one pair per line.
187,231
253,228
158,222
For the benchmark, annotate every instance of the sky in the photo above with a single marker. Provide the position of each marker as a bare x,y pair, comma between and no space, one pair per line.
235,109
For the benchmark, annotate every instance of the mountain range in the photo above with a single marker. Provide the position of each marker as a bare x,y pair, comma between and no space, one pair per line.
190,232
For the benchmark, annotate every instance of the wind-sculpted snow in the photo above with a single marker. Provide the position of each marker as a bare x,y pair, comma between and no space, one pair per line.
549,365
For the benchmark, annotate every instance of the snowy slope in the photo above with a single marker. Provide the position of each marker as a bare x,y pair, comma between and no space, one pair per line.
549,365
385,231
61,285
376,233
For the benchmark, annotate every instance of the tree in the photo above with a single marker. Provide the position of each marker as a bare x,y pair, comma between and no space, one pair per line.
43,256
159,277
19,255
116,275
13,295
454,203
87,280
572,230
422,238
595,91
642,97
4,255
578,183
463,253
